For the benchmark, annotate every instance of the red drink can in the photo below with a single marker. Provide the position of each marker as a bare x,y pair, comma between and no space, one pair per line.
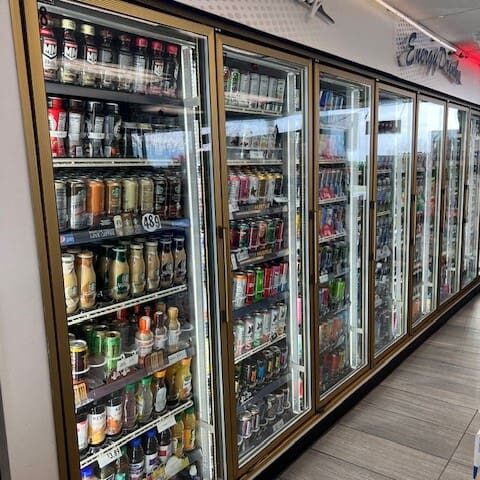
283,276
253,240
267,281
279,234
262,234
243,189
57,120
275,282
234,236
250,289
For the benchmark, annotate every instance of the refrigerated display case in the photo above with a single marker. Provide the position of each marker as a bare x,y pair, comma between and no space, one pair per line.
451,227
343,157
263,112
127,184
428,181
394,153
471,222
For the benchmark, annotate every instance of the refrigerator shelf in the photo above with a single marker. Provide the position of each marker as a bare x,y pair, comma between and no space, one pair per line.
251,111
383,213
331,237
163,422
255,350
68,162
331,276
384,171
134,377
327,201
112,95
326,315
259,395
254,161
328,126
332,161
78,237
260,305
257,211
131,302
255,260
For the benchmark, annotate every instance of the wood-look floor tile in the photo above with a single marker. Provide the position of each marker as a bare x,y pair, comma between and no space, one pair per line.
379,455
456,471
424,408
449,354
313,465
464,452
474,426
426,437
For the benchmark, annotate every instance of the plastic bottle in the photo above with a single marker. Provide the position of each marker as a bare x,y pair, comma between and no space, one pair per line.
143,339
159,392
106,59
190,422
136,460
125,63
170,71
87,473
165,446
121,466
129,409
178,436
172,392
183,380
144,400
140,64
173,329
151,452
161,333
156,69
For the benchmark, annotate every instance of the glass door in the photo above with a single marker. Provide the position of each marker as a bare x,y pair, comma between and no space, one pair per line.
343,158
394,153
126,103
472,204
452,202
263,110
428,181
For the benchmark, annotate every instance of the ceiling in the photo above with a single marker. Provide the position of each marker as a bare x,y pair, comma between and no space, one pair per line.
454,20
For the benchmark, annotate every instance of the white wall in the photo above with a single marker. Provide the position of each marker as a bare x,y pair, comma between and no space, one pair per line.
364,33
24,374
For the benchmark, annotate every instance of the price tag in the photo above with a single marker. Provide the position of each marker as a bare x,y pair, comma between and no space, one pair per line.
151,222
277,426
109,456
243,255
166,422
256,154
117,222
127,362
323,278
177,356
234,261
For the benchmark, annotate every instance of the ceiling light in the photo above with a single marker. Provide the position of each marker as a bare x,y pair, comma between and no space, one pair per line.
412,22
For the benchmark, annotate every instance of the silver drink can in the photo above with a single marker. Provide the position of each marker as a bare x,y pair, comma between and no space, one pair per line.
254,89
255,413
245,424
62,204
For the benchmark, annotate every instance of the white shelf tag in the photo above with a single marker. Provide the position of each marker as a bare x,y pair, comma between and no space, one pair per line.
109,456
151,222
176,357
166,422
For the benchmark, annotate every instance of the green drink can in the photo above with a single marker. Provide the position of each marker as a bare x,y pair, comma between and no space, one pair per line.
112,344
99,333
87,334
258,284
271,224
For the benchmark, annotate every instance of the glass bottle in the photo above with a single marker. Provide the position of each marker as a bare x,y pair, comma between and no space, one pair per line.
170,71
137,270
180,261
68,69
151,452
161,333
106,59
183,380
189,422
70,283
129,409
88,56
172,392
136,459
125,63
178,436
173,329
143,339
87,280
159,393
119,274
165,445
140,64
152,266
112,126
155,86
144,400
107,472
166,263
121,466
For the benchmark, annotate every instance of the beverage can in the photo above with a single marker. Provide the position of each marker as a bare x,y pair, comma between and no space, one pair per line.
243,235
145,195
279,402
227,82
268,355
75,128
275,326
278,190
233,191
250,373
61,201
267,325
234,236
79,358
254,89
174,198
160,196
234,85
77,204
262,188
253,188
129,195
279,234
113,196
243,189
262,234
267,280
271,407
250,289
275,281
245,424
261,370
284,358
270,189
249,323
270,235
282,314
276,361
253,240
244,89
283,276
263,92
239,335
255,413
272,93
95,201
257,329
258,284
238,289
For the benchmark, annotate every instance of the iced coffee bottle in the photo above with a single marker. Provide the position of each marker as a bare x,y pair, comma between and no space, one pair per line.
180,261
137,270
166,263
103,267
173,329
70,283
87,280
152,265
119,274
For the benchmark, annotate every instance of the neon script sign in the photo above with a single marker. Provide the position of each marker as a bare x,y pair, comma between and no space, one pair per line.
435,59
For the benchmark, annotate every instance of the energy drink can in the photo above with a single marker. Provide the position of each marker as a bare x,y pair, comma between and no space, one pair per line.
253,237
231,95
239,335
257,330
244,89
250,289
78,204
245,424
238,290
254,90
249,324
258,284
61,200
243,235
263,92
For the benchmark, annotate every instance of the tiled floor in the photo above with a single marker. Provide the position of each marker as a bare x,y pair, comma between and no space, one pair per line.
418,424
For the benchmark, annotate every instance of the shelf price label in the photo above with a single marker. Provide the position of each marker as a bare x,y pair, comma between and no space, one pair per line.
151,222
166,422
109,456
127,362
176,357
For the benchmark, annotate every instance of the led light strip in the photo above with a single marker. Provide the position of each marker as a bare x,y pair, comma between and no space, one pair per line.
412,22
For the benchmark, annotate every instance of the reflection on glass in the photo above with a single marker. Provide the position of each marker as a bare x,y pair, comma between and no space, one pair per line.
472,199
394,154
455,157
267,204
342,237
428,180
